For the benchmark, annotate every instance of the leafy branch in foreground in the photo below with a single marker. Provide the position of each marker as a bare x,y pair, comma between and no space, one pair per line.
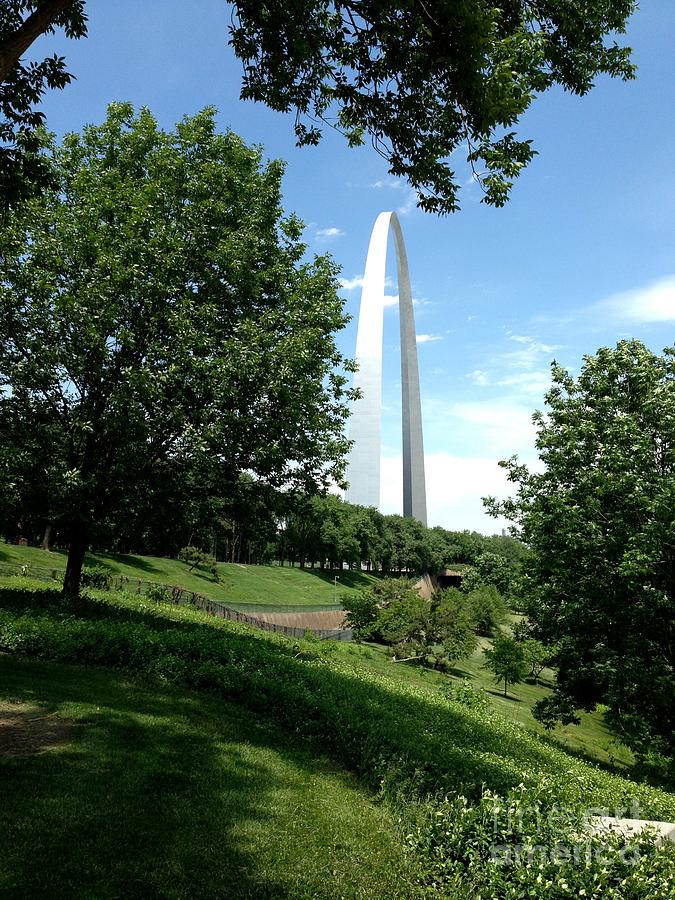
424,79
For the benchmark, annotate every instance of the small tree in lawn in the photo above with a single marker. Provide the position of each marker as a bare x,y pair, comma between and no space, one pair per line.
537,657
506,660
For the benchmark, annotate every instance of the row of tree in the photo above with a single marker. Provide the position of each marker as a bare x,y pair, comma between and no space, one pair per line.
253,523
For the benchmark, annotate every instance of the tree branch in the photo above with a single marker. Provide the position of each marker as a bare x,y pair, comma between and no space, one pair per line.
12,49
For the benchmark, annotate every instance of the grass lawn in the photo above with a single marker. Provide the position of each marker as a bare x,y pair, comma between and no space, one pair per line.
590,739
245,587
151,791
148,792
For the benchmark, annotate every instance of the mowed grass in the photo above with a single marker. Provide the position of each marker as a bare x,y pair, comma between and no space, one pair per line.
245,587
591,739
161,792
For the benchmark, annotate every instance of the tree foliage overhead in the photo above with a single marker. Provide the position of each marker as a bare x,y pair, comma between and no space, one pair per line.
159,324
601,526
421,78
22,85
424,78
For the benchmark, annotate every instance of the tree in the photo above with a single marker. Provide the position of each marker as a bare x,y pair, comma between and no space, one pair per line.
506,660
426,78
537,657
487,608
599,522
156,313
422,79
436,631
22,167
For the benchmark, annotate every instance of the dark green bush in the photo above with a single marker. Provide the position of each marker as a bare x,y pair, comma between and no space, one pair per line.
159,593
95,577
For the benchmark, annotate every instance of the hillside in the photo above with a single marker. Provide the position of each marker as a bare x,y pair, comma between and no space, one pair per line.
245,587
405,742
148,791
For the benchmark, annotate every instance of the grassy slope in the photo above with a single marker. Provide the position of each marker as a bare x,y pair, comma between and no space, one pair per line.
405,739
246,587
287,589
590,739
369,720
167,793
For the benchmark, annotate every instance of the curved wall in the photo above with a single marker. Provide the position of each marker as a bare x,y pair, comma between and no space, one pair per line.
363,470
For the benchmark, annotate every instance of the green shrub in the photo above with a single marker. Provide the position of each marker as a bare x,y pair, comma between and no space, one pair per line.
361,610
196,558
525,846
95,577
464,693
488,608
159,593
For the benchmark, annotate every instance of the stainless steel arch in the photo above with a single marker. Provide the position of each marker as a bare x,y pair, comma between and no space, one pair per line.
363,468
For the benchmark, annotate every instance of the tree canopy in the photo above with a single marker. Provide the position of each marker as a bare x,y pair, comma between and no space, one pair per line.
421,79
599,521
160,330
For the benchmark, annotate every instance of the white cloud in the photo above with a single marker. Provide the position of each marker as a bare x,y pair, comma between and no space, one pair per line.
328,234
396,184
535,382
478,377
653,303
409,204
455,486
399,184
498,427
350,284
530,356
428,338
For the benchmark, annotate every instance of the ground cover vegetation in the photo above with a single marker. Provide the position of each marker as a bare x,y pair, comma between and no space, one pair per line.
463,778
160,331
420,79
600,582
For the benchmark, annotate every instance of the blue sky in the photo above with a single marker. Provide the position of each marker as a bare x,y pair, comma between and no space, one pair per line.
582,256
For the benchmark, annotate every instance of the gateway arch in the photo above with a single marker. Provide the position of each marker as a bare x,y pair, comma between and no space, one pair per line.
363,464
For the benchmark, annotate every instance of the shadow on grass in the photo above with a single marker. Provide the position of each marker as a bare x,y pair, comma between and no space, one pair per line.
558,742
345,577
122,559
461,673
161,795
378,729
503,696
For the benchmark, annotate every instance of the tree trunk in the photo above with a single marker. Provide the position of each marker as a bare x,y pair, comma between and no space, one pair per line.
16,44
76,551
47,536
